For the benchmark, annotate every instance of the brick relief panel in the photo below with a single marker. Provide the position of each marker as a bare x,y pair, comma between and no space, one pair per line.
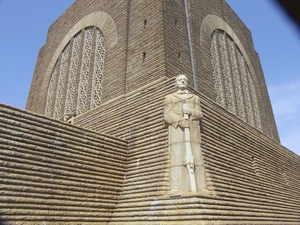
98,70
232,79
61,87
84,71
74,81
81,87
51,91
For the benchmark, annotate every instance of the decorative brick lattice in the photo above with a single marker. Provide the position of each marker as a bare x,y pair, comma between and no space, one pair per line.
61,85
77,75
226,64
254,102
98,70
51,90
85,71
72,82
236,80
216,70
234,87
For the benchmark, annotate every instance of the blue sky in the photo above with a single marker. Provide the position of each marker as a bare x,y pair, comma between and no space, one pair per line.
277,41
24,26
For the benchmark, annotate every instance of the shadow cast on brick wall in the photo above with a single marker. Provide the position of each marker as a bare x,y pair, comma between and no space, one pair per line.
2,221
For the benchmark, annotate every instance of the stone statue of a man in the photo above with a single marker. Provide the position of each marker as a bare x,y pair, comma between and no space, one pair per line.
182,113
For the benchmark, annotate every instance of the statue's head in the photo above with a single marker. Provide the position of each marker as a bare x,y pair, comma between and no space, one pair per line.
181,81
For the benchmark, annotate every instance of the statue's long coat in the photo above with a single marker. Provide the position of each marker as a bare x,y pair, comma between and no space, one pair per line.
179,178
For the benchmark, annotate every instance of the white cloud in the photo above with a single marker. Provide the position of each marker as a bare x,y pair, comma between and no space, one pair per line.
285,100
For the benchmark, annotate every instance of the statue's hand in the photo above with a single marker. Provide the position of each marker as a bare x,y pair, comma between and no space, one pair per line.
186,110
184,124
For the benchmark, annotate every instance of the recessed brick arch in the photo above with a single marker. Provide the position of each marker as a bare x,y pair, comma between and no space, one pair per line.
213,22
101,20
228,72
